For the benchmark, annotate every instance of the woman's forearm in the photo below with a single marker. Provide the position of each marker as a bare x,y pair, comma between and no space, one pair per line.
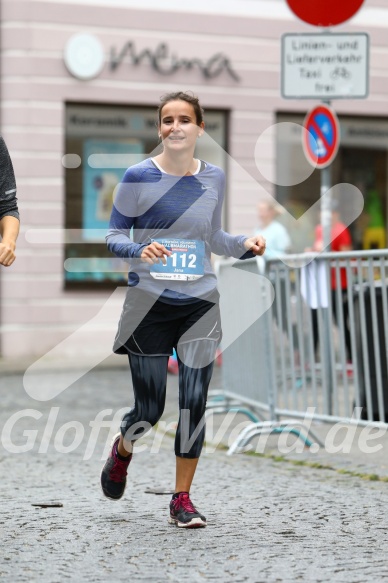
9,229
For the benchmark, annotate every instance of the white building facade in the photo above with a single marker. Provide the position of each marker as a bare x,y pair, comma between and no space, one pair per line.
64,104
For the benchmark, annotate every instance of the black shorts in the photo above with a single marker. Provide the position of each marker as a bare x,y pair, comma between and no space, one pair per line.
151,327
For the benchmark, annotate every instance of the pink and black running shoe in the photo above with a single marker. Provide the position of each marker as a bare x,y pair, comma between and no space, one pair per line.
114,473
183,513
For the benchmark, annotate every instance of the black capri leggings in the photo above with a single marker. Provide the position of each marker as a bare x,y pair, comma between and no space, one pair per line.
149,378
195,331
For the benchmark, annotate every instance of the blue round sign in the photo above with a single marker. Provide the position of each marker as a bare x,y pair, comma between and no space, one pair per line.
321,140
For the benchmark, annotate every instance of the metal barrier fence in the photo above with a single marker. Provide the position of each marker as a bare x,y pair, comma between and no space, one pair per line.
321,348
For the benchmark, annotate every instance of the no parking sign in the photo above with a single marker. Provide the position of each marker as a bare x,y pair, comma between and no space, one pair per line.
321,140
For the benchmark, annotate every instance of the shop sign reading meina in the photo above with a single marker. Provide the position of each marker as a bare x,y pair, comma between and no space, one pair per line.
85,59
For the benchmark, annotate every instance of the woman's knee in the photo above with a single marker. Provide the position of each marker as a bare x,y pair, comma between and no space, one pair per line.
189,446
137,422
190,434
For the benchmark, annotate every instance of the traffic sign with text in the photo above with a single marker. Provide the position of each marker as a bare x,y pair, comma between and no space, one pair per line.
325,66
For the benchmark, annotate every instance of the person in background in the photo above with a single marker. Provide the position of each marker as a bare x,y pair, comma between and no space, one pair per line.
278,243
341,240
9,213
276,235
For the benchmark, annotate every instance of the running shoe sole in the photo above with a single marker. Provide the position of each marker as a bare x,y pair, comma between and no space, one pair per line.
194,523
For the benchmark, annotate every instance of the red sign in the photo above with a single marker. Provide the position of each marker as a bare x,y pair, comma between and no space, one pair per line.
321,140
324,12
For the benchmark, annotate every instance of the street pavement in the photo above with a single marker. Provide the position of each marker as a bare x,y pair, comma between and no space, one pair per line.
270,518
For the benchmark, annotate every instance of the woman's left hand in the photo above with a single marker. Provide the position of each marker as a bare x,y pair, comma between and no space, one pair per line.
255,244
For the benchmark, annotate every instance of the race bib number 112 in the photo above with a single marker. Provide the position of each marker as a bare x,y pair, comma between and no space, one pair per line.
186,262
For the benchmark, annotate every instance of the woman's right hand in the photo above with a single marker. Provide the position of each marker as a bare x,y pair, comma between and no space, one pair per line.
154,253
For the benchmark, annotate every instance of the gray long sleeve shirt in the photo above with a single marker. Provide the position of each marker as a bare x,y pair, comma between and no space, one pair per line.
183,212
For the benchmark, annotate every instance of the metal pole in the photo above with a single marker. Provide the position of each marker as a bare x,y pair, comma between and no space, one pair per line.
271,366
326,221
326,202
326,207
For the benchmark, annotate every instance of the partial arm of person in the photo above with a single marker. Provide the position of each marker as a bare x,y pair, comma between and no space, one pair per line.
9,213
255,245
9,231
118,238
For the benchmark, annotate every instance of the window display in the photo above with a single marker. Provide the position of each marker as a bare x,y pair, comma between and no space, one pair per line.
107,140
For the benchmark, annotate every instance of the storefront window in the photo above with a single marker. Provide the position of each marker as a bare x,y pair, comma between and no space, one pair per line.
361,160
101,142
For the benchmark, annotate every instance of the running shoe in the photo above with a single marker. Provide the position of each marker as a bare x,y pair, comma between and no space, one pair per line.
114,473
184,514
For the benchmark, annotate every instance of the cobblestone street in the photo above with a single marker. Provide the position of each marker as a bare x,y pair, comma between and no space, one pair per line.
268,521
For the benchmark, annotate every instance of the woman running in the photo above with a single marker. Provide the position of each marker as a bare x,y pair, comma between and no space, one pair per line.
173,204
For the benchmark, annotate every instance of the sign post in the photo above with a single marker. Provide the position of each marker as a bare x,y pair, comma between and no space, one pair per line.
324,66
